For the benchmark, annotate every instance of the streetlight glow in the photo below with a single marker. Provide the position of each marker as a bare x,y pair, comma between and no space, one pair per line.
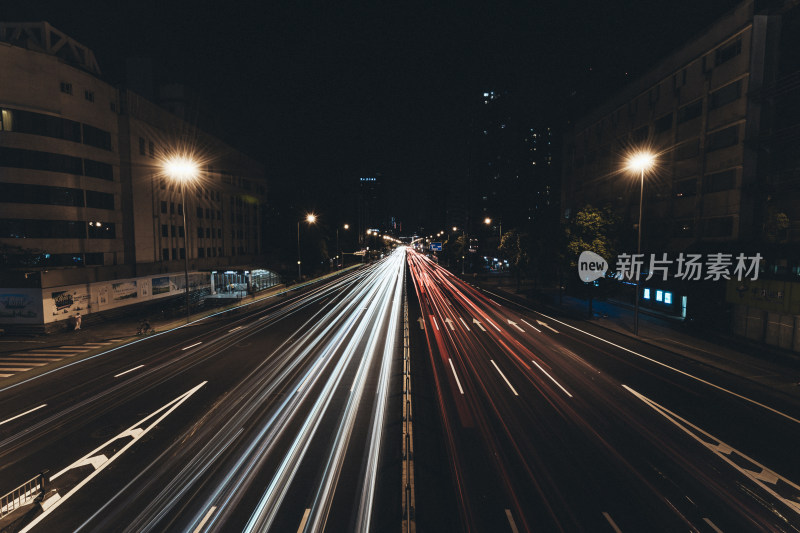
487,221
641,161
311,218
181,168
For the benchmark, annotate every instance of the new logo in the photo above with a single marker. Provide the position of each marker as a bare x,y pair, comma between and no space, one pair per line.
591,267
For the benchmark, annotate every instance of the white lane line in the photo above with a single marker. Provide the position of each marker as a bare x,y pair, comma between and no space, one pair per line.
664,365
531,325
511,521
551,379
493,324
713,526
456,376
548,326
303,521
465,324
23,414
235,329
131,370
759,474
135,433
504,377
205,519
611,522
191,346
434,322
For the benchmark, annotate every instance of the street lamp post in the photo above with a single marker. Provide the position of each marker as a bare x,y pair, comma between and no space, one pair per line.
310,218
639,162
339,258
183,169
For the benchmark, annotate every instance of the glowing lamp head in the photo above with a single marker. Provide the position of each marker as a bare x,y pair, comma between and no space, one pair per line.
487,221
181,168
311,218
347,226
641,161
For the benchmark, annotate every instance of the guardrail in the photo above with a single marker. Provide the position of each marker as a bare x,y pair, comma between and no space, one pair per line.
23,495
409,494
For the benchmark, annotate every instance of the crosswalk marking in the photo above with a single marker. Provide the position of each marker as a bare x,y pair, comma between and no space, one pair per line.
23,361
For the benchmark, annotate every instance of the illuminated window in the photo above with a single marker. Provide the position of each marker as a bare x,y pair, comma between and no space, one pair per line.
646,294
659,296
667,297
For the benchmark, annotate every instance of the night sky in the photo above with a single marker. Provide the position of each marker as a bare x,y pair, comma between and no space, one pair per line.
323,93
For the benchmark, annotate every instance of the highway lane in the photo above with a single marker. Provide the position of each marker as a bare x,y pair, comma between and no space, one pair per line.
250,421
576,433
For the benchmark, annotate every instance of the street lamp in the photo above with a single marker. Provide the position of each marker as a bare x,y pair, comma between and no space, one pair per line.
338,254
640,162
310,218
488,222
183,169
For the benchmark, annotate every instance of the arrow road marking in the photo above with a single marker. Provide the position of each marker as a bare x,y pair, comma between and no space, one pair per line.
515,325
475,321
450,323
758,473
100,462
547,326
421,323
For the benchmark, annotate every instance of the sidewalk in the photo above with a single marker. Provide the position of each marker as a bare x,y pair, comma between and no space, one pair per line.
107,334
762,364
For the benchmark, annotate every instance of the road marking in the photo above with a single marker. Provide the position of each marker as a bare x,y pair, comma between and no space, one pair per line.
531,325
62,350
504,377
235,329
421,323
493,324
205,519
17,369
551,378
191,346
515,325
303,521
456,376
465,324
511,521
433,318
131,370
713,526
637,354
450,323
6,375
22,414
135,432
758,473
547,326
475,321
612,523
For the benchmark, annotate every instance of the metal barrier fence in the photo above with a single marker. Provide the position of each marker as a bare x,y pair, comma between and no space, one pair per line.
23,495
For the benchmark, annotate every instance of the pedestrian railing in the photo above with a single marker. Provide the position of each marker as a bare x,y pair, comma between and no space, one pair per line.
23,495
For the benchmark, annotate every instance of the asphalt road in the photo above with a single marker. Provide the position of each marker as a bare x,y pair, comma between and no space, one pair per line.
276,417
528,422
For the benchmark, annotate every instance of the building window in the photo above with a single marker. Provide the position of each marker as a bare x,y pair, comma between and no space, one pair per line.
96,137
719,181
687,150
208,252
164,230
102,230
173,232
180,231
219,233
201,252
100,200
199,212
152,147
183,253
718,227
722,139
725,95
639,135
686,188
175,255
208,233
165,254
219,251
690,111
180,209
88,95
172,208
163,207
726,53
664,123
66,87
199,233
141,146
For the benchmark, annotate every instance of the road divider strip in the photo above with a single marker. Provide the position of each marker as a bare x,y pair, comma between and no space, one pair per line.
505,378
551,378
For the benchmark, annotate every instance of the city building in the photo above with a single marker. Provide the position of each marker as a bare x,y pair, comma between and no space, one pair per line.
722,115
89,220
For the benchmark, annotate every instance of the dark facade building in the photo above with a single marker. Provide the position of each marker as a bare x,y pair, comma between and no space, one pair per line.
722,114
87,209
